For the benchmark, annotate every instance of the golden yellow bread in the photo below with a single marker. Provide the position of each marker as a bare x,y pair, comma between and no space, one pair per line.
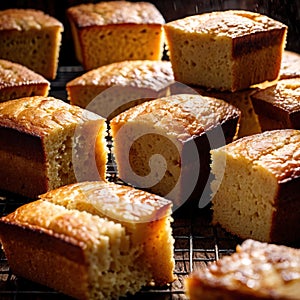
46,143
226,50
108,32
256,186
290,65
17,81
133,82
278,106
163,145
31,38
108,239
255,271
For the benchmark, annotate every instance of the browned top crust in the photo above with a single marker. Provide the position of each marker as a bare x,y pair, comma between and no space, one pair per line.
261,269
277,151
151,74
13,74
285,94
230,23
41,115
115,12
181,115
73,227
118,202
26,19
290,65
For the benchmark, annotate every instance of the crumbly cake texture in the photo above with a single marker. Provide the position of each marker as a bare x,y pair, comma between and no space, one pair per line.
133,82
31,38
38,146
226,50
18,81
255,190
108,32
255,271
278,106
290,65
157,145
109,240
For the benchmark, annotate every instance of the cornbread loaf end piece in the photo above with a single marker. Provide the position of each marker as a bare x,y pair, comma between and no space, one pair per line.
226,50
163,145
256,271
118,86
31,38
145,216
256,186
108,32
290,65
38,148
278,106
109,240
17,81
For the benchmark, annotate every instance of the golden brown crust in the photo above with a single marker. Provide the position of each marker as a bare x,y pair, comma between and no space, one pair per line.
280,102
290,65
26,19
118,202
182,115
115,12
14,75
231,23
256,271
40,115
273,150
150,74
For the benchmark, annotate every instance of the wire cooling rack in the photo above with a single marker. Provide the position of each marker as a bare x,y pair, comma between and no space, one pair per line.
197,242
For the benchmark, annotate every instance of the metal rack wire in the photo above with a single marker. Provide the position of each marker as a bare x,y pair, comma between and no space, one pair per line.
197,242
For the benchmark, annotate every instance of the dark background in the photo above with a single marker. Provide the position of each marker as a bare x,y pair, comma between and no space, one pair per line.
285,11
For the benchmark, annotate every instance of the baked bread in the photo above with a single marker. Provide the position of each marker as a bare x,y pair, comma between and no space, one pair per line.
278,106
163,145
226,50
133,82
256,186
108,239
31,38
290,65
249,122
256,271
46,143
17,81
108,32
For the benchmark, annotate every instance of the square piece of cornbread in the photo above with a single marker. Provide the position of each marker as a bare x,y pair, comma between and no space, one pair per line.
108,32
225,50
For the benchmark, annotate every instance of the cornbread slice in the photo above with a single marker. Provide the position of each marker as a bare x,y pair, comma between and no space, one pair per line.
133,82
278,106
256,271
163,145
107,239
256,186
226,50
31,38
145,217
290,65
46,143
108,32
17,81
